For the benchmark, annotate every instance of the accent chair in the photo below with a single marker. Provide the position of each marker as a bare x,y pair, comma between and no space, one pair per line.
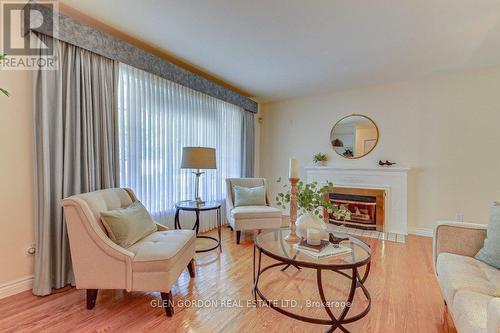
154,263
250,217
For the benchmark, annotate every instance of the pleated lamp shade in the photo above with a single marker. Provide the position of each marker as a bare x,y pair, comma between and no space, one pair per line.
198,158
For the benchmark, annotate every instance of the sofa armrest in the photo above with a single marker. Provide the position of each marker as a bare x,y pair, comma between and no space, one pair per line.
161,227
493,321
461,238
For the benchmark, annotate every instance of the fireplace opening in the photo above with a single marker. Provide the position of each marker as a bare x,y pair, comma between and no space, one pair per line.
365,205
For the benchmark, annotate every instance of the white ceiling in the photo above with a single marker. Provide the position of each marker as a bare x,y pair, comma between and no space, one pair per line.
277,49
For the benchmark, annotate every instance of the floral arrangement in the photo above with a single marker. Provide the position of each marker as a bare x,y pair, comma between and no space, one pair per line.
3,91
320,158
313,198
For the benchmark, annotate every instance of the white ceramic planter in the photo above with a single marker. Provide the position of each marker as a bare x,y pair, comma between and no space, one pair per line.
309,220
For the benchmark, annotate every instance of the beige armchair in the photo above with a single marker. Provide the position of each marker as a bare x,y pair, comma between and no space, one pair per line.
152,264
470,287
250,217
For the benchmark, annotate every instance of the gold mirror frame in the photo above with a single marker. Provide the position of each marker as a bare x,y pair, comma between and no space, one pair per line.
356,115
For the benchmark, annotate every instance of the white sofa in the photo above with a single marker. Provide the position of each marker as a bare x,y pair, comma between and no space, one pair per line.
470,288
154,263
250,217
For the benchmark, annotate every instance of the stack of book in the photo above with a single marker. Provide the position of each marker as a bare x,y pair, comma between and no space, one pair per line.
323,250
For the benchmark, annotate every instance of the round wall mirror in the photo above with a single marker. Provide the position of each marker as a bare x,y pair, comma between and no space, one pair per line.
354,136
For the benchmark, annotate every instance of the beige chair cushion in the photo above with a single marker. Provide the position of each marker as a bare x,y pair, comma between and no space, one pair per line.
255,212
456,272
160,250
105,200
470,311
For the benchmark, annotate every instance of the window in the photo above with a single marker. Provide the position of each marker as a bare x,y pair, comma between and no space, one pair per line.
156,118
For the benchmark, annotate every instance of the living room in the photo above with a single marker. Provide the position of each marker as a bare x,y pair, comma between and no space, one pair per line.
231,166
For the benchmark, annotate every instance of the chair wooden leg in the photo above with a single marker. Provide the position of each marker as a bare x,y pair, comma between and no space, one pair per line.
238,236
167,303
191,268
448,324
91,298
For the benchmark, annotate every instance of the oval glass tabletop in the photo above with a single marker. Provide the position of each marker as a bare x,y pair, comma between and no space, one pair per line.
193,205
273,244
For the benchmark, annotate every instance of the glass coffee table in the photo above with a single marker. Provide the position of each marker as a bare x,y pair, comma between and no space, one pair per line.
272,244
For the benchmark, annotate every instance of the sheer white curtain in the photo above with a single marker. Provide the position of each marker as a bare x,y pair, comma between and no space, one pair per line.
156,118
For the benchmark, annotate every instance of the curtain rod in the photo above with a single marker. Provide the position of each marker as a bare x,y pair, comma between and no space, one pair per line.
71,31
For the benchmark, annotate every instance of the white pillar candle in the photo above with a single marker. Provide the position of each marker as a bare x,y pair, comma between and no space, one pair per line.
313,236
293,171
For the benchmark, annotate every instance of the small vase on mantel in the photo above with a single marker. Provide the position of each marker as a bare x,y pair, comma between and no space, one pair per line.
309,220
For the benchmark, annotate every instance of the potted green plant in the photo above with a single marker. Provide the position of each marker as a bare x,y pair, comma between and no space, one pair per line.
312,201
320,159
3,91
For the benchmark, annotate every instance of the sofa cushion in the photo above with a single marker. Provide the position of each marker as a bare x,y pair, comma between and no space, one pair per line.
457,272
490,253
493,315
469,311
158,251
128,225
493,275
255,212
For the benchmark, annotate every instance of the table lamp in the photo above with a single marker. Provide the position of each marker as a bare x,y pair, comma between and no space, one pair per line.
198,158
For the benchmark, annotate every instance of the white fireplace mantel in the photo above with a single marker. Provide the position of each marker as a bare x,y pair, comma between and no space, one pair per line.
375,169
394,180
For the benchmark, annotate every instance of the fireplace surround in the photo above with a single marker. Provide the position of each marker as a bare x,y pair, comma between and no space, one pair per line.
392,180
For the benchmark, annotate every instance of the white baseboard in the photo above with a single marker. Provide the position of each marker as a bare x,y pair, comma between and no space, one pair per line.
421,232
16,286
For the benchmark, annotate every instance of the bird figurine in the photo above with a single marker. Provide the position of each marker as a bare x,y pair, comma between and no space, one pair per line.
387,163
336,240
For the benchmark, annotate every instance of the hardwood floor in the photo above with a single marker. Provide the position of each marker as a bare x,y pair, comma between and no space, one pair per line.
405,297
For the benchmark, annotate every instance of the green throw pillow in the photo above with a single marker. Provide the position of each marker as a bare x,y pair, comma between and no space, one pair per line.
490,253
249,196
128,225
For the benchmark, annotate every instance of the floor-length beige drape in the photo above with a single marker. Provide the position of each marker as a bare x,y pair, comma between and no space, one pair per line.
75,150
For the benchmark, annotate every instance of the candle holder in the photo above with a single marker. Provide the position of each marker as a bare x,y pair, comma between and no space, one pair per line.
292,237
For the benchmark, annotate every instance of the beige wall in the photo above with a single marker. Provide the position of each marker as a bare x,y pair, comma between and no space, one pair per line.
447,128
16,176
